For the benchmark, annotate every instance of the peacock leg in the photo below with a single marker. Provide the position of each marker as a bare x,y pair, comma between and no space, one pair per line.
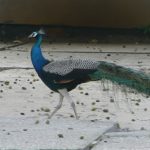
65,93
57,107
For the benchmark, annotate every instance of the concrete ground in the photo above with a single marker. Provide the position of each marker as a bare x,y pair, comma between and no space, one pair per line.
106,121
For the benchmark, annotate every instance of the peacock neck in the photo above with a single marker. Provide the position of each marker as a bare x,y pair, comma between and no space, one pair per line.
37,57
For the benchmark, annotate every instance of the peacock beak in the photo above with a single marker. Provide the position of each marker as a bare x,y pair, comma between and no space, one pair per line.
30,36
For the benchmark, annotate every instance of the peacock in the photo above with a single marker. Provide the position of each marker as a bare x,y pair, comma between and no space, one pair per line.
64,75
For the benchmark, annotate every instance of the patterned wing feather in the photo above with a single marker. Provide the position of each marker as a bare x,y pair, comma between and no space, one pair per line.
67,66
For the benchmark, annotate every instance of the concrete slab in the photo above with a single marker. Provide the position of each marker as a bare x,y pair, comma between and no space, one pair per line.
25,92
21,58
24,133
136,140
24,98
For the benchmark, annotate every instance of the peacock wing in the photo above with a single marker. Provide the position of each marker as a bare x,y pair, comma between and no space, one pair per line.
66,67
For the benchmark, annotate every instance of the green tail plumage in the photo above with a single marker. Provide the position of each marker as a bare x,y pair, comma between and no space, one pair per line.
122,76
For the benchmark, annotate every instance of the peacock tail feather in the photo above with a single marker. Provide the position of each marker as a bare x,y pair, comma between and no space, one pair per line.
123,76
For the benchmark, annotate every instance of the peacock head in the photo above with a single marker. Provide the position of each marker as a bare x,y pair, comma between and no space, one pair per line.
36,33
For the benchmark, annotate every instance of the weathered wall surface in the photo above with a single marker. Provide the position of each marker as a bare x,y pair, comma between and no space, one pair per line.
99,13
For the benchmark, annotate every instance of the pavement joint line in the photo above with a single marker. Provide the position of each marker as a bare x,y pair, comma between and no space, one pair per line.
91,145
10,68
7,48
99,52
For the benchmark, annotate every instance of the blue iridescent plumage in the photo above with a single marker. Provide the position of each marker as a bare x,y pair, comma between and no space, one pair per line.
37,57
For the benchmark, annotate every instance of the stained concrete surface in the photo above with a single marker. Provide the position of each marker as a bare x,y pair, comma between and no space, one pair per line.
24,97
24,133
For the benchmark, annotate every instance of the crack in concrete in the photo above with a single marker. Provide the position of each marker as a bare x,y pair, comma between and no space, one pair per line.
15,45
110,133
127,134
115,128
57,51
